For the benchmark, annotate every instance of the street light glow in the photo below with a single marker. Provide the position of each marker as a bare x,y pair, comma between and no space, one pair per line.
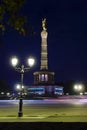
76,87
80,87
22,87
31,61
14,61
18,87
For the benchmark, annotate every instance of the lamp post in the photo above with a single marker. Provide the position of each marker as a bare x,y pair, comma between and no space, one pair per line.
79,88
21,70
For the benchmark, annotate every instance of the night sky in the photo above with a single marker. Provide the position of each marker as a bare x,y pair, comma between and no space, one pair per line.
67,41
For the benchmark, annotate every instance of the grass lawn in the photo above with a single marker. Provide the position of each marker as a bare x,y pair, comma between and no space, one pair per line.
35,114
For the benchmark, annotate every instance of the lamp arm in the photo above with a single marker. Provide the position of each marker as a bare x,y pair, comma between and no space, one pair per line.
26,69
18,69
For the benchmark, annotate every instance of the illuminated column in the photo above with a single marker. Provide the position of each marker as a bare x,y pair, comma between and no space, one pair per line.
44,77
44,59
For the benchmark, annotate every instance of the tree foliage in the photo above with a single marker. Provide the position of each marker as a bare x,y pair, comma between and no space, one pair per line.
4,87
11,15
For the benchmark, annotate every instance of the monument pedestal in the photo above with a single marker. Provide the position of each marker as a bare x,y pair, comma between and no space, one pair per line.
43,78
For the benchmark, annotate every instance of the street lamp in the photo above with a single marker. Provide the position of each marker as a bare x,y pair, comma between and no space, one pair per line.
79,87
18,87
21,70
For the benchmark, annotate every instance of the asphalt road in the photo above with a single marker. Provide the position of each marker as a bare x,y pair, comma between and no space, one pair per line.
60,102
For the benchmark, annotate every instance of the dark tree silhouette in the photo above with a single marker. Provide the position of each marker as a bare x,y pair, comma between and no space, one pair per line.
4,87
11,15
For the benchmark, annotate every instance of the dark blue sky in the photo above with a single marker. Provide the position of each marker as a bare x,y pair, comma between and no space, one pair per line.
67,41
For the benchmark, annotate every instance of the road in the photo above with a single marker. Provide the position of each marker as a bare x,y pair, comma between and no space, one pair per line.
61,101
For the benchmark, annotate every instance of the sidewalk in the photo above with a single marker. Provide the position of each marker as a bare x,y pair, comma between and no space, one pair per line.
45,119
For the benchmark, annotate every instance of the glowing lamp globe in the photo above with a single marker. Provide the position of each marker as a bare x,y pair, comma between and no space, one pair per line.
14,61
31,62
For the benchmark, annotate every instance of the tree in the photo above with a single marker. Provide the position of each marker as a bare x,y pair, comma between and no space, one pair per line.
11,15
68,86
4,87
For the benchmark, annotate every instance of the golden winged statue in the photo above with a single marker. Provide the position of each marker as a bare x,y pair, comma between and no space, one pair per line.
44,24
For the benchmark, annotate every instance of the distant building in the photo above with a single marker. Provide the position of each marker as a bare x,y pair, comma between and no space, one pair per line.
44,83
